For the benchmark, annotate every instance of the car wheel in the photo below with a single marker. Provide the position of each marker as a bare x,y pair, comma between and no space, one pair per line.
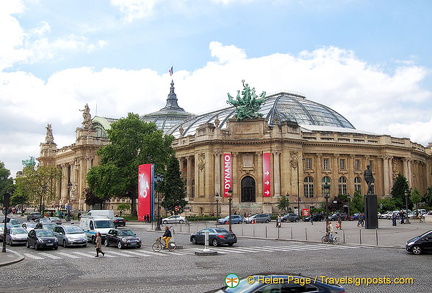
106,243
119,245
64,243
194,241
230,244
165,222
181,222
417,250
267,221
28,244
138,246
55,248
35,247
215,242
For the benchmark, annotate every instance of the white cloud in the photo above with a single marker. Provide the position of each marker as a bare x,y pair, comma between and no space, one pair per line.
225,54
135,9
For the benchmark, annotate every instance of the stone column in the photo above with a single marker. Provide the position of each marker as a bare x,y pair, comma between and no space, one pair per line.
217,172
276,174
259,183
189,177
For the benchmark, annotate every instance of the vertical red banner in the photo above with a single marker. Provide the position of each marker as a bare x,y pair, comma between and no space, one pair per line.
227,170
266,174
145,191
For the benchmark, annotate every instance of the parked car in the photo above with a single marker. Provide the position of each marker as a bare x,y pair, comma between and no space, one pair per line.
176,219
258,218
315,218
16,235
45,225
34,216
122,238
290,283
235,219
70,236
290,217
42,238
1,232
55,220
28,226
11,222
217,236
335,217
119,221
420,244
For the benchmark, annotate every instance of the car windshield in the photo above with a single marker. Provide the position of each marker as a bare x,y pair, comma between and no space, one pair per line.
31,225
18,231
44,233
73,230
104,224
54,219
13,222
49,226
126,233
221,230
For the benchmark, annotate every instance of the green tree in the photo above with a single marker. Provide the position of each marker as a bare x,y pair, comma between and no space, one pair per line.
399,188
427,198
6,182
387,204
132,142
283,204
123,207
415,197
173,188
40,184
357,203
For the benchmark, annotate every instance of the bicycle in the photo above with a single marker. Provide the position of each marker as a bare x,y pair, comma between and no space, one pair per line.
327,239
160,245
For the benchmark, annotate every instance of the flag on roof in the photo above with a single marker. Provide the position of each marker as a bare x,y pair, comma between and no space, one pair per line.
171,71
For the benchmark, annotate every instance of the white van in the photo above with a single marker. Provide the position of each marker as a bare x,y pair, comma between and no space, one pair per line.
92,225
101,213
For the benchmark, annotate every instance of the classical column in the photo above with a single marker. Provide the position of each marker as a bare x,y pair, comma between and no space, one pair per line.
217,172
386,177
259,182
236,190
189,177
351,175
64,184
276,174
318,171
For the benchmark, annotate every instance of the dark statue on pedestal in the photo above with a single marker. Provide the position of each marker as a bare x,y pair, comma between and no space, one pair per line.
368,177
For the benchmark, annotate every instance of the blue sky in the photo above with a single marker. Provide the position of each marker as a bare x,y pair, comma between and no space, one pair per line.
58,55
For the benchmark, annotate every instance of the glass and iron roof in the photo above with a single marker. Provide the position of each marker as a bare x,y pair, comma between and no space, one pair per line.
276,109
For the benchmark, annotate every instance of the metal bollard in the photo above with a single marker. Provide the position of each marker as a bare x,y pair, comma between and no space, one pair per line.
206,241
360,237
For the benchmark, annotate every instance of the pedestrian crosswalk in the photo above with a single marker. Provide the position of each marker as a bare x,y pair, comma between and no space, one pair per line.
144,252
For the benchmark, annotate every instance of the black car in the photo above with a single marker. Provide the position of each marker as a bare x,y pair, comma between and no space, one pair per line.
122,238
335,217
34,216
276,283
315,218
119,221
290,217
420,244
217,236
42,238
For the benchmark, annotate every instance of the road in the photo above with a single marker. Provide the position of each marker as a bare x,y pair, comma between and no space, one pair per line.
142,270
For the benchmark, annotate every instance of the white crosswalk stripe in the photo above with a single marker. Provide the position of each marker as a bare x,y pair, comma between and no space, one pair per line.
110,253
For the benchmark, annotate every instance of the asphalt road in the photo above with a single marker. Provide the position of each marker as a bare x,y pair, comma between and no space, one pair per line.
142,270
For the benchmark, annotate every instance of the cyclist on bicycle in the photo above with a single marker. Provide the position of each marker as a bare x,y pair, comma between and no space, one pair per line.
167,236
330,230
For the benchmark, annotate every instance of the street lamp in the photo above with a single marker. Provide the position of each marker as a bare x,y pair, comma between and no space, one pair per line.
326,196
217,197
158,178
6,200
349,201
41,206
407,194
230,193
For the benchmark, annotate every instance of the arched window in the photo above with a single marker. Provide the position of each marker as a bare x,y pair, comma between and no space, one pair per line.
325,182
342,187
308,187
357,184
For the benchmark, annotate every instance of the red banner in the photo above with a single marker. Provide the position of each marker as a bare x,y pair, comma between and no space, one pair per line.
227,169
266,174
145,191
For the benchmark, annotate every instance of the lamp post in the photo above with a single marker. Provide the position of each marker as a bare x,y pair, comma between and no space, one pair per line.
158,178
6,200
295,165
407,194
217,197
230,193
326,196
68,207
41,206
349,201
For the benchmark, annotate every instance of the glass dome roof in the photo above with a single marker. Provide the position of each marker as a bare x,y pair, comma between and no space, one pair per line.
276,109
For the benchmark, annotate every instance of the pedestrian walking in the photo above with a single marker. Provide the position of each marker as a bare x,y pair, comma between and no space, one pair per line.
393,217
278,221
340,222
401,215
311,218
99,244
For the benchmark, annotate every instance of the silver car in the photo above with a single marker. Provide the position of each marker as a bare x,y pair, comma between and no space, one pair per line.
16,235
70,236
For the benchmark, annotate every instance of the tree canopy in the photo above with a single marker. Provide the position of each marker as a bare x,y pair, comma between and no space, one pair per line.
399,188
173,188
6,182
132,142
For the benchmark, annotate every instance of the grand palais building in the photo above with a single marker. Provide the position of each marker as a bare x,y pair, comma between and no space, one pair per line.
294,149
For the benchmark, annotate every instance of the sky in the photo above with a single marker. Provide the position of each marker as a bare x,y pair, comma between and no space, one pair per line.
369,60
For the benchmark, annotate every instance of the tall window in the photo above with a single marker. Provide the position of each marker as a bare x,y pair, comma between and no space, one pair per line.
357,164
325,180
342,187
326,164
342,164
308,187
308,163
357,184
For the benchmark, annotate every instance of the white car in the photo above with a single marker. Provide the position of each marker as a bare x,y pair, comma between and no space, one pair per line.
176,219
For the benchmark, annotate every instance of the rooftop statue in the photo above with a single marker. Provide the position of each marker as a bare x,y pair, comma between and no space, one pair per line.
248,104
49,138
87,124
29,163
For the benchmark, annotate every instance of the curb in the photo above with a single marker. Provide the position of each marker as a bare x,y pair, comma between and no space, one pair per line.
15,260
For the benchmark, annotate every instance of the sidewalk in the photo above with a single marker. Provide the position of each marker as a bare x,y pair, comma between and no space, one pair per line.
9,257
